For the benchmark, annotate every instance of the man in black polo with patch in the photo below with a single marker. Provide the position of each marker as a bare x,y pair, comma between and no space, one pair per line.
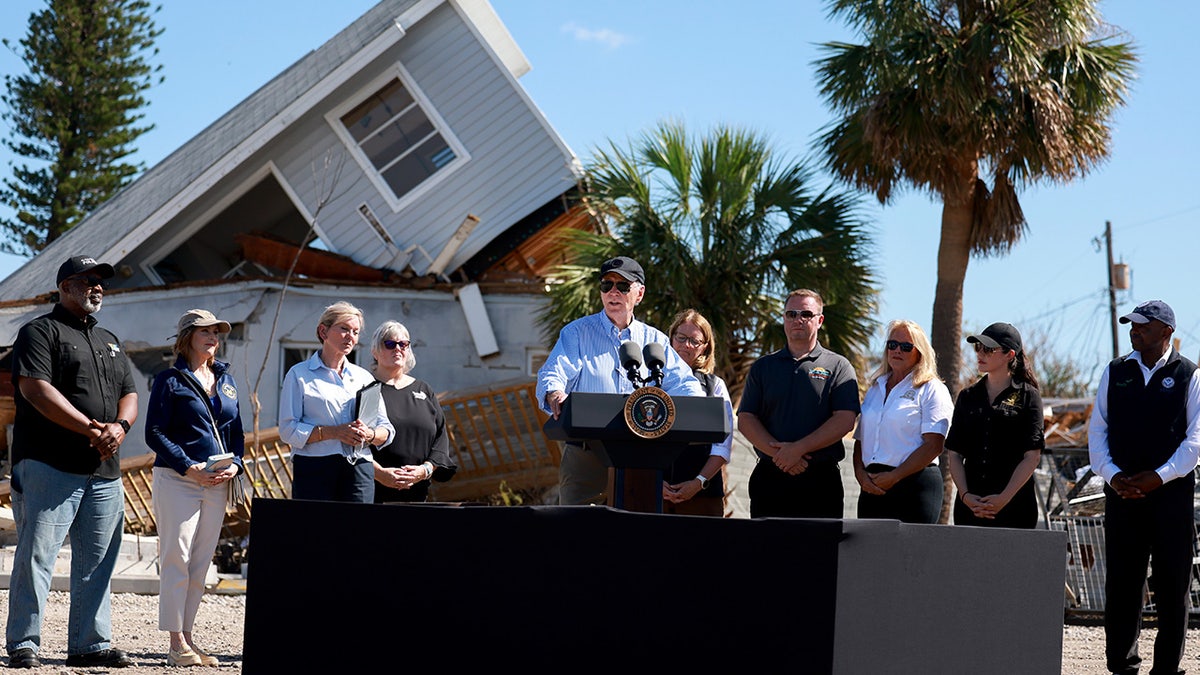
75,400
797,406
1144,440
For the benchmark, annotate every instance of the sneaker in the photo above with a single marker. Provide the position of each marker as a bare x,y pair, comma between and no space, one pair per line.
105,658
24,658
185,657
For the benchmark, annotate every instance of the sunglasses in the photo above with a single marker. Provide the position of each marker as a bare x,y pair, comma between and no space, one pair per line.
801,314
623,286
905,347
392,344
986,350
90,281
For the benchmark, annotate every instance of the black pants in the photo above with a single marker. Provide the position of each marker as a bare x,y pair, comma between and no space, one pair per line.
1157,529
816,493
916,499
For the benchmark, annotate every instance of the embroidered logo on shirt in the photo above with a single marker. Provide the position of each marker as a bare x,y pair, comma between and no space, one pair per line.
1168,382
819,373
911,395
228,391
419,395
113,349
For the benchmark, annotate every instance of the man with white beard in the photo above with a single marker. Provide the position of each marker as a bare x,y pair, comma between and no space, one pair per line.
75,400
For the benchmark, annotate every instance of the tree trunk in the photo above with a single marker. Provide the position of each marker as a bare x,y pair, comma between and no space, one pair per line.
954,252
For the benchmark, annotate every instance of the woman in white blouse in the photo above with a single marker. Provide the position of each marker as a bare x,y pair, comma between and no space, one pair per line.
905,416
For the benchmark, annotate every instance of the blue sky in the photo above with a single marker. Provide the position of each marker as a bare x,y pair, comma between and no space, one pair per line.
612,70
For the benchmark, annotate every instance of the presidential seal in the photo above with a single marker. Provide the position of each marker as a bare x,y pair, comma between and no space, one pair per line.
649,412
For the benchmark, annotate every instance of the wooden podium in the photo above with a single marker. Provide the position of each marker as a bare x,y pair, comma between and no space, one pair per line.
597,421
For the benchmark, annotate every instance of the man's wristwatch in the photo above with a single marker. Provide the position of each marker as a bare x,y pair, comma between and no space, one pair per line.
703,481
124,425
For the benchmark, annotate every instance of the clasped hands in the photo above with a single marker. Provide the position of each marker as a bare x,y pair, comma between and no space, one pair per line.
354,433
106,437
1136,486
985,507
875,483
790,457
401,477
678,493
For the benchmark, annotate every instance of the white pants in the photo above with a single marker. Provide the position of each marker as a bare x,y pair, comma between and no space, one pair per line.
189,526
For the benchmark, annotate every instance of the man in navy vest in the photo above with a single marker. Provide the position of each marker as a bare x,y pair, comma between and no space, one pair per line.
1144,439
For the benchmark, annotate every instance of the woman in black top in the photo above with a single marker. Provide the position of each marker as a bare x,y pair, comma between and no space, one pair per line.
420,450
995,440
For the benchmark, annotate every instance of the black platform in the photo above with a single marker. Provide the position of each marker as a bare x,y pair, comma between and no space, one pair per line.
595,589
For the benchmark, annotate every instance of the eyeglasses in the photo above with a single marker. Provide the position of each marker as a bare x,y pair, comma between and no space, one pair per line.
90,281
392,344
623,286
691,342
986,350
799,314
905,347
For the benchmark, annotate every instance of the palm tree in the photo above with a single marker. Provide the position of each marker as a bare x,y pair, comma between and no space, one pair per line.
945,93
720,225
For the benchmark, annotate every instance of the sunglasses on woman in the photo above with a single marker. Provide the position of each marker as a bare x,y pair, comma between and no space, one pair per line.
905,347
392,344
979,347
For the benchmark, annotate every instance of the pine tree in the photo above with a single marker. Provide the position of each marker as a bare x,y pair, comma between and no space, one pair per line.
74,116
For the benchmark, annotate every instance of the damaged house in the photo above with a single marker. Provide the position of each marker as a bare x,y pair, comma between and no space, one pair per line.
405,153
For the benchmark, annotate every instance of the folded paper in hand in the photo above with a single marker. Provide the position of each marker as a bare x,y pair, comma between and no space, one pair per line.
218,462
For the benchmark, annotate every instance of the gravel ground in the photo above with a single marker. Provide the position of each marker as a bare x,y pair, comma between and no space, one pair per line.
135,630
220,621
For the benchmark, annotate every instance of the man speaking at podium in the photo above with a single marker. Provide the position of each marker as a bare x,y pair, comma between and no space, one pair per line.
587,357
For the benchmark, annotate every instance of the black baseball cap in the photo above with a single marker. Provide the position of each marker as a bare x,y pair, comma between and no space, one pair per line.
83,263
1003,335
1150,310
626,267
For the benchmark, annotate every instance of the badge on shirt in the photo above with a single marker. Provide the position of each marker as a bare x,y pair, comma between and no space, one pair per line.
819,373
911,395
228,391
419,395
113,349
1168,382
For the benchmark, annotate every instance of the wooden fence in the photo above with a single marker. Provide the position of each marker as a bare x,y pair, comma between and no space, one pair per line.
495,438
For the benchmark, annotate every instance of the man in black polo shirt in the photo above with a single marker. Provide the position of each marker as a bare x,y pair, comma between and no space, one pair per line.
797,405
75,399
1143,440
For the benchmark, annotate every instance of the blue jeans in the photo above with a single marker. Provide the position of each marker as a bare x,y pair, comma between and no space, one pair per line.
49,506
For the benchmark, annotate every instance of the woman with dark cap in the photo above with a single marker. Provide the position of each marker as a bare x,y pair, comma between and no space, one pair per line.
995,440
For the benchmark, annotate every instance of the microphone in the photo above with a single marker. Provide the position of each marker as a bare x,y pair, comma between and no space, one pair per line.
631,361
656,359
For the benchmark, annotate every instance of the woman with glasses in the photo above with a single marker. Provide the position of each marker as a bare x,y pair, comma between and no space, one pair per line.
420,450
996,440
905,416
331,440
693,485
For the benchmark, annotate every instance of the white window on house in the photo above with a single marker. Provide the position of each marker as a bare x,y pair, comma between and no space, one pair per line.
400,140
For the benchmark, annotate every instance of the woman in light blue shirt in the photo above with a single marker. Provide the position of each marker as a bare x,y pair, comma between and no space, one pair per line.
331,444
905,417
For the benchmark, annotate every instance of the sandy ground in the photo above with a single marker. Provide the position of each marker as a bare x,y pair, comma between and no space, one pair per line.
220,623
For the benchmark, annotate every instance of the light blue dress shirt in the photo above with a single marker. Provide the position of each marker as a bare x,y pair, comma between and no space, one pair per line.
587,358
316,395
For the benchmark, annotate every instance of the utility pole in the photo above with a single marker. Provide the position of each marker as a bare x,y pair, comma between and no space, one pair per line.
1112,290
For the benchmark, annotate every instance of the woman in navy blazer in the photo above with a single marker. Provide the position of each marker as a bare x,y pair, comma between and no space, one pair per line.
193,415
